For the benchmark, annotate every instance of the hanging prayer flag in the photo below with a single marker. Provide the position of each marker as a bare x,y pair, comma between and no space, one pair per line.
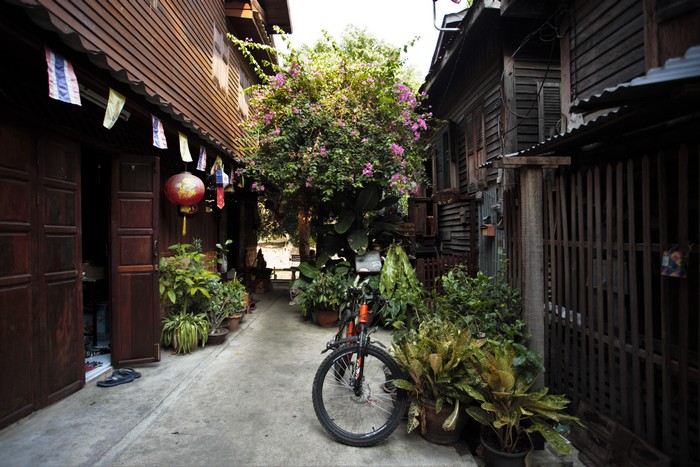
220,176
115,104
220,197
184,148
220,187
202,162
159,140
63,85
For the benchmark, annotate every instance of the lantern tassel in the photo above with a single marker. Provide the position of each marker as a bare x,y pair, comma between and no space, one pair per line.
184,225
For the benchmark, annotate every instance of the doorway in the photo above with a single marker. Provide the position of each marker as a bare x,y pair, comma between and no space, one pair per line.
97,313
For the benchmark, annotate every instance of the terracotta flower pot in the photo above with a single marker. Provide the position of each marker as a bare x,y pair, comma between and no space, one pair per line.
234,321
326,318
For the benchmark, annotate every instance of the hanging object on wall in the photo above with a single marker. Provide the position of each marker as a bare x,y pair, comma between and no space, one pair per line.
185,190
674,261
220,187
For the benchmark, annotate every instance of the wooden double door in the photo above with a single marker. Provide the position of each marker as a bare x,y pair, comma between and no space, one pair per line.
41,309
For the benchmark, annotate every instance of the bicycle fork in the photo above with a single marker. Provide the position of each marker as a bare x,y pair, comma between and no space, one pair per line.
358,372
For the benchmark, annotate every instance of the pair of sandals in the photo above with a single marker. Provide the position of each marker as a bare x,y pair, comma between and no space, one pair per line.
119,376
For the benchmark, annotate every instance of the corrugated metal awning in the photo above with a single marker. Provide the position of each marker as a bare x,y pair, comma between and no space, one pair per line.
663,82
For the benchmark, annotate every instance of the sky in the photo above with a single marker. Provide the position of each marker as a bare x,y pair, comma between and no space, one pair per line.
393,21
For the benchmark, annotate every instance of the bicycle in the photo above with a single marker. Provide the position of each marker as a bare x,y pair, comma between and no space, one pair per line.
353,395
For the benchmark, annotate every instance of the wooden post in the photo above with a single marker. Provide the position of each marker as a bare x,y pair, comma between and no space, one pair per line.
533,258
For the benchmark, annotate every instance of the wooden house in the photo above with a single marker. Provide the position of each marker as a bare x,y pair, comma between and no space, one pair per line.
600,205
494,86
83,217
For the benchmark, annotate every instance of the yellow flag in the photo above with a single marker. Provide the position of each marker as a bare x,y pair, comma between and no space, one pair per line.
184,149
115,104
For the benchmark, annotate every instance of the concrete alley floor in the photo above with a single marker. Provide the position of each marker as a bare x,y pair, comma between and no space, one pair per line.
245,402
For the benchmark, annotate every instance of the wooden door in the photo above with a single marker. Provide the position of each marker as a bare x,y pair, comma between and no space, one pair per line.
18,285
134,260
59,261
41,357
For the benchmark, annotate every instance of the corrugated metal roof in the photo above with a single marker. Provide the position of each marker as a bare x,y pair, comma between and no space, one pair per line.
658,85
552,142
657,82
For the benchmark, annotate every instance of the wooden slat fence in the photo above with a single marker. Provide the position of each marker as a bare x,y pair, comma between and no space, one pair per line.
430,270
621,337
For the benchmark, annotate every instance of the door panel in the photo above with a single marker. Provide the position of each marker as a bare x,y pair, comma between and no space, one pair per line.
134,233
59,259
18,313
40,291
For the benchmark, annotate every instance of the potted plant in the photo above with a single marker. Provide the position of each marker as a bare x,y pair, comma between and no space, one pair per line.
506,406
436,357
185,284
323,292
228,303
182,330
488,305
400,287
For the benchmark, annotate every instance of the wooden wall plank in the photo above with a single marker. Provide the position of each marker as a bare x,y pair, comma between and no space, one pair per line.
599,286
664,311
621,291
578,214
650,390
590,309
683,308
609,330
565,287
635,361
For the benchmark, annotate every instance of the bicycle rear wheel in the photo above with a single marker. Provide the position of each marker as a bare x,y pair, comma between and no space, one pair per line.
365,419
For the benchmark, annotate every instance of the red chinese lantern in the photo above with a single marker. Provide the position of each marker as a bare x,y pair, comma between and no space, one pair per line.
186,190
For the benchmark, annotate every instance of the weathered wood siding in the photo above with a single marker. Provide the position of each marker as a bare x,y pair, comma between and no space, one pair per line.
606,44
537,101
164,52
458,222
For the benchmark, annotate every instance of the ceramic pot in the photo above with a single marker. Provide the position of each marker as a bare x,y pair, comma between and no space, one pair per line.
217,337
497,458
433,432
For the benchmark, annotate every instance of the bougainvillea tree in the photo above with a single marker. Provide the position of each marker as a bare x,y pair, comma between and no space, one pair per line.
333,118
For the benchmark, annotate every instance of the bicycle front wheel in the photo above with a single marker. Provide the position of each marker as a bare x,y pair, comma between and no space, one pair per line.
362,419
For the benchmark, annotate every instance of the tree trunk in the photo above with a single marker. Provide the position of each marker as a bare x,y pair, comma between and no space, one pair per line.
304,230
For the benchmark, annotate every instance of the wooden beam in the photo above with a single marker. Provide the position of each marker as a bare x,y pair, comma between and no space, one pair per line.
536,161
245,10
238,10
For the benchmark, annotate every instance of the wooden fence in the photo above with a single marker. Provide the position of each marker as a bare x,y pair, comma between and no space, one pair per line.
429,270
622,328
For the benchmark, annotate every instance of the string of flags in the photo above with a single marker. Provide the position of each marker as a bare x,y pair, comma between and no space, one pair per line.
63,86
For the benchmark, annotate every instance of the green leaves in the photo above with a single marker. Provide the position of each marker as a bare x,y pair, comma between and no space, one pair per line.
335,117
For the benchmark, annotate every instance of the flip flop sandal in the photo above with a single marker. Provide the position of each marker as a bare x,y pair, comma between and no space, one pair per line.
127,372
115,379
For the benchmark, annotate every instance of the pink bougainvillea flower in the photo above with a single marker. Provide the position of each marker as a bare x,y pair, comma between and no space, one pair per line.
396,149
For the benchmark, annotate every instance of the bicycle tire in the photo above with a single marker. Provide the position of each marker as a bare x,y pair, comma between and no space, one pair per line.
363,420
